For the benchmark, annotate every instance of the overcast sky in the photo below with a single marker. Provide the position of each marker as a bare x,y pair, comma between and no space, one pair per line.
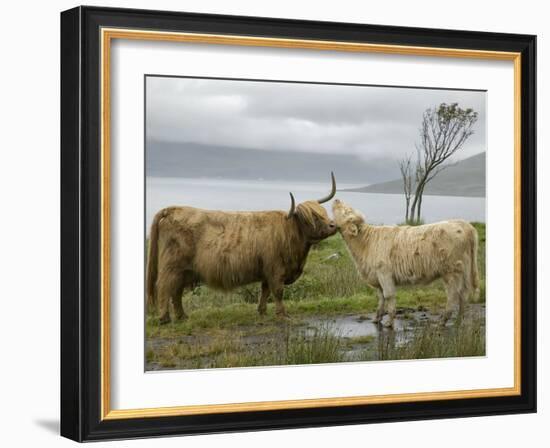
362,120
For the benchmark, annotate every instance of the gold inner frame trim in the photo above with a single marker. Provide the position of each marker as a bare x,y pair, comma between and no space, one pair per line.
107,35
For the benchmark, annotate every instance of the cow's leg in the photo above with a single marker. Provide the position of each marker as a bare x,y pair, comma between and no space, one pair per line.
277,291
391,309
452,287
389,291
380,310
462,293
170,285
262,302
176,298
177,306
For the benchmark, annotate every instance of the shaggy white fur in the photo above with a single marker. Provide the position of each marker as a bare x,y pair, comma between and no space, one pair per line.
389,256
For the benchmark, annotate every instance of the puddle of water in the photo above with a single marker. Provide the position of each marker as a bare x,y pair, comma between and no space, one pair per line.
342,326
352,326
355,326
358,326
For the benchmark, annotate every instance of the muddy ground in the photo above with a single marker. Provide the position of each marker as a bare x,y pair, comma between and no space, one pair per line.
357,337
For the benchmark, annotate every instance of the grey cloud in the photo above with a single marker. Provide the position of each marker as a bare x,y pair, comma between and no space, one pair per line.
361,120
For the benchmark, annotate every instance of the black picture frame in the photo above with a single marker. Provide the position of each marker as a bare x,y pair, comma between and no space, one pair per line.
81,224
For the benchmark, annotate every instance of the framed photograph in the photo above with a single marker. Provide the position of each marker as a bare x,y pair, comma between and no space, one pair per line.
273,223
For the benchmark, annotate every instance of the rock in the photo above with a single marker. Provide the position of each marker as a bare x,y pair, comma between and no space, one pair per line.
334,256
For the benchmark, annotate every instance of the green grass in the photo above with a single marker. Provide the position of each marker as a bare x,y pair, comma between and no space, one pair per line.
174,353
234,316
467,338
360,340
227,349
329,286
320,347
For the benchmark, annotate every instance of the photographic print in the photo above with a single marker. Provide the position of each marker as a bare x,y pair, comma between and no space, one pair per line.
249,201
295,223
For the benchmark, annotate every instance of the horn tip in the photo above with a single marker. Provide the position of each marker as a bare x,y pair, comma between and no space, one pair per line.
292,205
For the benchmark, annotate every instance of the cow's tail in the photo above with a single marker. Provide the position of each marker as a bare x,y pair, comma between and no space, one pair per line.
152,262
475,272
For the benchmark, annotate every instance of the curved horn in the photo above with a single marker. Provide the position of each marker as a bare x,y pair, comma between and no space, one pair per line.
332,192
292,206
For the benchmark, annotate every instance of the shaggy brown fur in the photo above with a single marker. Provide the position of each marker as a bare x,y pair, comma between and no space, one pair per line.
223,250
388,256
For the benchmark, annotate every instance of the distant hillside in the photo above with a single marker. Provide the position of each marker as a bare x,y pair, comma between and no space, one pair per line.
194,160
464,178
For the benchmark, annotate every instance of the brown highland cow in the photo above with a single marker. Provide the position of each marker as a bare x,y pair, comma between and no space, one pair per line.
189,246
388,256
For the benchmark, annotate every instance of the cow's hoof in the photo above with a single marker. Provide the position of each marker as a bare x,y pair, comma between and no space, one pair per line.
182,317
164,320
262,311
388,325
282,315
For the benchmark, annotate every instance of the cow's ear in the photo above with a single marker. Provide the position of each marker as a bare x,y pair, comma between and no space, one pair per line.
352,230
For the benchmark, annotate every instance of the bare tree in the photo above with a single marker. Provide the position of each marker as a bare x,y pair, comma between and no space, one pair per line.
406,176
443,132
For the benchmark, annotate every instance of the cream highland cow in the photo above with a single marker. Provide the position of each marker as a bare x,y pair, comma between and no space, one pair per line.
389,256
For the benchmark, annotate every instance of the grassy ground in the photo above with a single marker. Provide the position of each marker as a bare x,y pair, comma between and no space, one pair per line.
225,330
